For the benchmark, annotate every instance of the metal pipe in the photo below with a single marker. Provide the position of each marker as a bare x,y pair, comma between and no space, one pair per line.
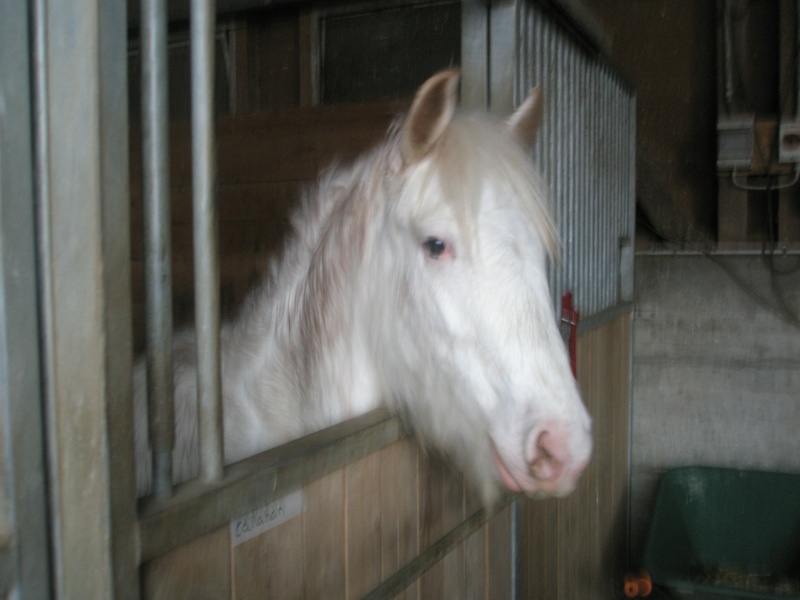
206,255
727,32
157,259
797,62
744,252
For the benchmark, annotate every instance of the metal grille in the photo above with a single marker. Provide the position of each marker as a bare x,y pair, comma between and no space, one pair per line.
586,153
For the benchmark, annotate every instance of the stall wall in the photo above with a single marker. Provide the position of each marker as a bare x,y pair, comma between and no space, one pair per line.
355,527
360,524
576,547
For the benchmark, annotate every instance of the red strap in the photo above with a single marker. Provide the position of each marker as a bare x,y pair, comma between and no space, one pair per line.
570,316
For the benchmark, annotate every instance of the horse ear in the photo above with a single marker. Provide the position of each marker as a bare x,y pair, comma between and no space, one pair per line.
524,123
431,111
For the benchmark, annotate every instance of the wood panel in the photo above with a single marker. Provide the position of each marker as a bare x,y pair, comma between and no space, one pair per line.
363,542
324,537
399,510
575,548
358,526
441,509
199,570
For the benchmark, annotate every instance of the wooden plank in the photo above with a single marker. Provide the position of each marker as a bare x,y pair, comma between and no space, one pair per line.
441,508
621,445
307,32
363,521
237,201
592,380
431,584
731,212
498,555
453,563
436,552
272,53
324,537
789,217
283,145
399,511
197,507
476,576
271,564
242,68
236,237
788,204
475,565
530,536
200,569
604,373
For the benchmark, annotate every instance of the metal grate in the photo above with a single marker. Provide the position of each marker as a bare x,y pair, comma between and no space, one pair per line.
586,153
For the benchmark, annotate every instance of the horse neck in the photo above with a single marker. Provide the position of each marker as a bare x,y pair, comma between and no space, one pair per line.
305,321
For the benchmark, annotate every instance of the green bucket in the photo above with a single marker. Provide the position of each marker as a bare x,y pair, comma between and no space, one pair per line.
726,533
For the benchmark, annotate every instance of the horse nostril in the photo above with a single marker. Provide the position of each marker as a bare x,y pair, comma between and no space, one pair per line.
545,464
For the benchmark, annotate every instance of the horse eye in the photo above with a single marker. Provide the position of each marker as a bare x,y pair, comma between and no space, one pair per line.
435,247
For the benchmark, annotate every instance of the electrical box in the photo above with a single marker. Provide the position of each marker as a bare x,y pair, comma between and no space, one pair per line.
789,143
735,142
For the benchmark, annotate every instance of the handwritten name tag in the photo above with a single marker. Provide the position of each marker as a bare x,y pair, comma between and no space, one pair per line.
266,517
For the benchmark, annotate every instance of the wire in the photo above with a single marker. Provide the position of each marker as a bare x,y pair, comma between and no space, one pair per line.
770,243
767,186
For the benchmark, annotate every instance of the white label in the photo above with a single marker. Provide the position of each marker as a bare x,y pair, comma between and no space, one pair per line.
265,518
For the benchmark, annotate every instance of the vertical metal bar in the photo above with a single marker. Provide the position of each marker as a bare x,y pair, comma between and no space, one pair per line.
206,256
116,286
87,265
157,259
24,555
503,36
584,156
474,54
797,65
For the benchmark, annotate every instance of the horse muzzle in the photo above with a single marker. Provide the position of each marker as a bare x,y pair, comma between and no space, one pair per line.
555,456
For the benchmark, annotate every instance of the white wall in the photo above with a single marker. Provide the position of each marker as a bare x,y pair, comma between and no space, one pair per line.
716,376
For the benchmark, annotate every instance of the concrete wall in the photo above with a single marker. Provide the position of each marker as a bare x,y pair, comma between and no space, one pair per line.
716,377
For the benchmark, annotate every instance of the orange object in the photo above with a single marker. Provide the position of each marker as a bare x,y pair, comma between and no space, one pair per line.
631,587
645,584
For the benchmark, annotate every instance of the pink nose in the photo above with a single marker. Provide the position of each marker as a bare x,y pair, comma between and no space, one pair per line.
551,458
547,460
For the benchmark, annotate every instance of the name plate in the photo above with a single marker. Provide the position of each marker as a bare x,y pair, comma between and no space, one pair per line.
266,517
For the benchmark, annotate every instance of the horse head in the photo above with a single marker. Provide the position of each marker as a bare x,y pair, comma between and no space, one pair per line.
468,345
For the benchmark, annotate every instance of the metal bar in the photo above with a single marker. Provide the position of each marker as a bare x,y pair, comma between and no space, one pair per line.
797,63
196,508
474,53
157,259
588,170
87,261
116,289
503,57
24,564
206,254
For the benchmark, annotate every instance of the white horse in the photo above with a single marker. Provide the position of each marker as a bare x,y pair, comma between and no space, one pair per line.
415,278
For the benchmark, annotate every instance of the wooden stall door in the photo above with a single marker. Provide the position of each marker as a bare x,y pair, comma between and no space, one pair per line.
354,528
